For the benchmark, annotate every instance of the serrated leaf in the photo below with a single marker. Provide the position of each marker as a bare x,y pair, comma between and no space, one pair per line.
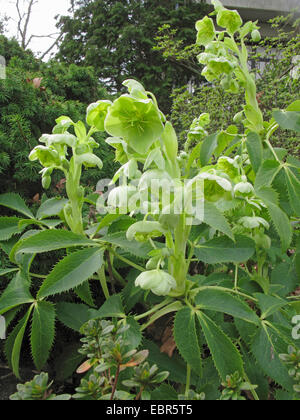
15,202
72,271
9,226
209,145
266,347
85,294
255,150
217,300
72,315
269,304
49,240
225,355
164,392
293,187
285,275
112,308
186,338
223,250
42,332
214,218
5,271
267,173
51,207
17,293
16,344
139,250
133,335
288,120
279,219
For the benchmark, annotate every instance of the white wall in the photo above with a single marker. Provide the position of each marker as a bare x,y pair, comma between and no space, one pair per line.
276,5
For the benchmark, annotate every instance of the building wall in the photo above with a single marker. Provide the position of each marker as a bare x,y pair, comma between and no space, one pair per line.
282,6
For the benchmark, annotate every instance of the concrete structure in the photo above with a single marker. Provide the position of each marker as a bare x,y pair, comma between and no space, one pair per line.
263,10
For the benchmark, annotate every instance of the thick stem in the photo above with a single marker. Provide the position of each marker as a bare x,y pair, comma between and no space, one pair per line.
75,196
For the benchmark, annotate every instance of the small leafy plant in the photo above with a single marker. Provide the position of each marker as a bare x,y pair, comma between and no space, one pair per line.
227,208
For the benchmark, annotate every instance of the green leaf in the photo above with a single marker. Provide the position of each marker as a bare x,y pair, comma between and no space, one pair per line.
42,332
279,219
50,240
72,271
286,276
187,340
52,207
139,250
85,294
269,304
229,19
209,145
112,308
225,355
214,218
164,392
288,120
206,31
223,250
266,347
9,226
15,202
17,293
133,335
217,300
5,271
295,106
293,187
255,150
17,343
72,315
267,173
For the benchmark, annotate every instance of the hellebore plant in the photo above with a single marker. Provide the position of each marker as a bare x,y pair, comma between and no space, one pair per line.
229,199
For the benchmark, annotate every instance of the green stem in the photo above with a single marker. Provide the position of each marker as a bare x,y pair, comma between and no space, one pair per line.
103,282
188,380
125,260
236,277
253,392
154,309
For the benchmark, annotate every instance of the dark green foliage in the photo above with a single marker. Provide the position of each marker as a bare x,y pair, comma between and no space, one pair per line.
275,86
117,37
29,108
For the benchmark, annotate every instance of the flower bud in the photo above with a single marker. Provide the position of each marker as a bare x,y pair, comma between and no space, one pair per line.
159,282
256,36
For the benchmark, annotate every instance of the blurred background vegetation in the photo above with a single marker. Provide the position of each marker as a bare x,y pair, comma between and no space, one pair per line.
103,43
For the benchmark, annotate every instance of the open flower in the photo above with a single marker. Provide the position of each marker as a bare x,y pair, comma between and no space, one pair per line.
137,121
96,114
158,281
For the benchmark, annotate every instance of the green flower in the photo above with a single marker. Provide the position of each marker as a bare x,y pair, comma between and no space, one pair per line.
254,222
206,31
96,114
47,156
229,19
158,281
136,121
143,231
